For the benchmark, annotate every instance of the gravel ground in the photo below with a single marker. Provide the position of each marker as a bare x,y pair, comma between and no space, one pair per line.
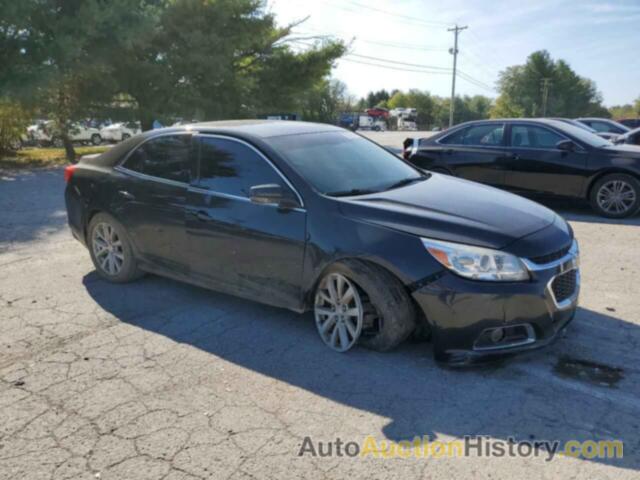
160,380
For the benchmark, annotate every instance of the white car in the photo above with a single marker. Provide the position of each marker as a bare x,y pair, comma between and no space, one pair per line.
118,132
44,134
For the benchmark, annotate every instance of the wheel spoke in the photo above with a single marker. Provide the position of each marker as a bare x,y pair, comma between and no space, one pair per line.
352,312
332,290
344,338
327,325
348,296
324,311
353,330
334,337
325,298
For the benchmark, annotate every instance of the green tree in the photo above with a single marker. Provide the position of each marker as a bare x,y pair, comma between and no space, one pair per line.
543,86
13,122
324,101
377,99
625,111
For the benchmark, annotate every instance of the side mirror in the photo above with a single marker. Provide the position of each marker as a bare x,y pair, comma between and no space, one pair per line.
273,194
566,145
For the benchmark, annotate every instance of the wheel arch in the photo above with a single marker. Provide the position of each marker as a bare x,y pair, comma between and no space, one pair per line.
603,173
319,273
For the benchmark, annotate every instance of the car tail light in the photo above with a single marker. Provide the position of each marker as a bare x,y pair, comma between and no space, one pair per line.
68,172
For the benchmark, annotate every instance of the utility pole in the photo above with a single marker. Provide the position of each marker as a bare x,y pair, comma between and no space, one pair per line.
454,51
546,82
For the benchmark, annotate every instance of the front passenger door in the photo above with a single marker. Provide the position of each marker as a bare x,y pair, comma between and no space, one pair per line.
244,248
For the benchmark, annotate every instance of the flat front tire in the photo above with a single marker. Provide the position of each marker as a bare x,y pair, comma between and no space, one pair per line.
359,302
616,196
111,250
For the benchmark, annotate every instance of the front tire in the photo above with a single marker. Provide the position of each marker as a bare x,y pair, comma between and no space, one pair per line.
386,316
111,250
616,196
96,139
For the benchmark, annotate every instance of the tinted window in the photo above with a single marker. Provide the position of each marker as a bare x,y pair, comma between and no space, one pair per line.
230,167
534,137
480,135
164,157
343,163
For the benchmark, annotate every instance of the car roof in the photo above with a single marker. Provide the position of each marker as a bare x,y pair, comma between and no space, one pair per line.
255,128
542,121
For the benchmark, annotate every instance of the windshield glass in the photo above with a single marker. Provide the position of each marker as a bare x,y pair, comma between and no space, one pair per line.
585,136
343,163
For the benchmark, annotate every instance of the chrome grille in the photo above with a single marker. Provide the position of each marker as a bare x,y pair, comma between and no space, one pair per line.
564,285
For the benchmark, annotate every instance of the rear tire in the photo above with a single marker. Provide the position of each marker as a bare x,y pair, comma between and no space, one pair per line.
389,316
111,250
616,196
96,139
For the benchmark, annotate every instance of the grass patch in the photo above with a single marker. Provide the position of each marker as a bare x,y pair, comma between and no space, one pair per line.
42,157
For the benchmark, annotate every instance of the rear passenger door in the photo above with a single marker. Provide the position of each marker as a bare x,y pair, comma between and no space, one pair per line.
151,199
535,166
244,248
475,153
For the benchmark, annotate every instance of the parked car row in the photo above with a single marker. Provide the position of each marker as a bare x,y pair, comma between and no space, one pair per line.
537,157
44,133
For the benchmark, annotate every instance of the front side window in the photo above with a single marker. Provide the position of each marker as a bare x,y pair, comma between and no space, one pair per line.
230,167
529,136
478,135
163,157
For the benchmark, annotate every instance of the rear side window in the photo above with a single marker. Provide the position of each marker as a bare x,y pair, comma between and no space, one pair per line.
163,157
529,136
477,135
230,167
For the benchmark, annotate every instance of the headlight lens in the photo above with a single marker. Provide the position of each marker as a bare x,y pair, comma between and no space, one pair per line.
477,263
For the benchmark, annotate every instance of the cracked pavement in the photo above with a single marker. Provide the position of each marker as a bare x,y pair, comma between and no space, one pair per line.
162,380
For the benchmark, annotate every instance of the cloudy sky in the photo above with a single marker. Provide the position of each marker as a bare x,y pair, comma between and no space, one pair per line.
404,44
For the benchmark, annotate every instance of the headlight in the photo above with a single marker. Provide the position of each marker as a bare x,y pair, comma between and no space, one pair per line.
477,263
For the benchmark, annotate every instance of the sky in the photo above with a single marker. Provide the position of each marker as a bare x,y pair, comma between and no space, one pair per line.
599,39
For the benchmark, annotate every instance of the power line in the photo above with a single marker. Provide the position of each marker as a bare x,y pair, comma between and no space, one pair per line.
471,79
403,46
397,69
401,18
418,65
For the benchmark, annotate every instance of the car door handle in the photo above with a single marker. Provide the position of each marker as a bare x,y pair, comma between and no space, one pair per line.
127,195
200,215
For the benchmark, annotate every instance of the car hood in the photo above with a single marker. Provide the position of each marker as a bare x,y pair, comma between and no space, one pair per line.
622,150
448,208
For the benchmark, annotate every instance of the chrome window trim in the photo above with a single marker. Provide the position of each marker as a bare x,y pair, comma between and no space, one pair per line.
144,176
504,126
148,139
260,154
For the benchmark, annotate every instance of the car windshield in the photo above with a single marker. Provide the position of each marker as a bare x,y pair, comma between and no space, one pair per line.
585,136
343,163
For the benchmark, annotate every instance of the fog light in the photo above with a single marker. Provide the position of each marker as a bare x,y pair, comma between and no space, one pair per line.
497,335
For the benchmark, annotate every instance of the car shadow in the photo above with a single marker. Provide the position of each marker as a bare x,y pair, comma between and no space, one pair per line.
31,205
524,398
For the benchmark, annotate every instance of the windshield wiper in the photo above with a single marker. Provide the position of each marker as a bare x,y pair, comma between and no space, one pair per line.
406,181
352,192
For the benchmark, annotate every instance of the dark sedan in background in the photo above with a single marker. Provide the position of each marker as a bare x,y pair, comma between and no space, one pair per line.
629,138
604,125
538,157
312,217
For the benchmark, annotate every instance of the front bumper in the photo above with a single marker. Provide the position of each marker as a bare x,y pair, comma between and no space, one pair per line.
474,319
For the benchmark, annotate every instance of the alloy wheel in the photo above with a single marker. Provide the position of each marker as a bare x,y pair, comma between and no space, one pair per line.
107,248
616,197
338,312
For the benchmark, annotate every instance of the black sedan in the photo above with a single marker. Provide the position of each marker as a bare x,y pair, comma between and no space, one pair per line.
537,157
629,138
312,217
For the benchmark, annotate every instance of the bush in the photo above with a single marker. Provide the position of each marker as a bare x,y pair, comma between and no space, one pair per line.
13,123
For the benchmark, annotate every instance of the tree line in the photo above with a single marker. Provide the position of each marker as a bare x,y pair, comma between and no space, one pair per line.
153,59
